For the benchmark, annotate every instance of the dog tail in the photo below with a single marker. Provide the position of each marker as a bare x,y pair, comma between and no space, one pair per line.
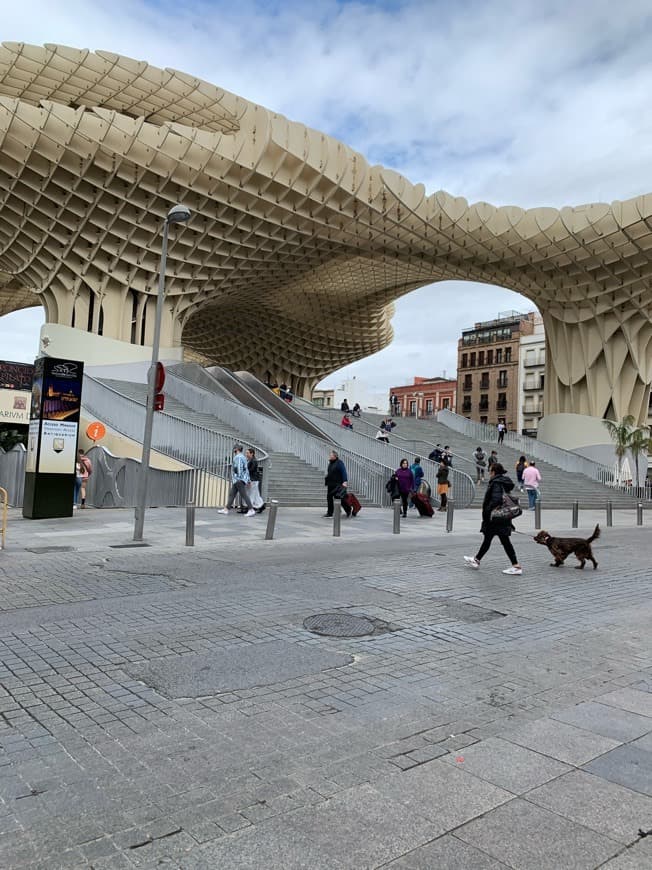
596,534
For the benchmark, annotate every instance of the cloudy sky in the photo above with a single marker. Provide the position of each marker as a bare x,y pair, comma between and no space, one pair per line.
531,102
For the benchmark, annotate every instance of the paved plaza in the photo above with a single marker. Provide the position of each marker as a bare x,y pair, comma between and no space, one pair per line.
172,706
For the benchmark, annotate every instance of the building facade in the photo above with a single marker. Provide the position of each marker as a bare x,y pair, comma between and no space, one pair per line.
425,396
488,369
531,374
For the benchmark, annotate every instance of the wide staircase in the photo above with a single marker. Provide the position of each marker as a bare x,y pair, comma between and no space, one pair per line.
559,489
291,480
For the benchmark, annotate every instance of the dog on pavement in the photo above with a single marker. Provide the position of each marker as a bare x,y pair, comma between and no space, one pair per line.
561,548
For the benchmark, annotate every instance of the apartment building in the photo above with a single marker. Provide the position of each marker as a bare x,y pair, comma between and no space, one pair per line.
488,368
532,369
425,396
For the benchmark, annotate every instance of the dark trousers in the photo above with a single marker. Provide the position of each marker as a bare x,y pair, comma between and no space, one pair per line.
330,502
504,540
501,435
404,502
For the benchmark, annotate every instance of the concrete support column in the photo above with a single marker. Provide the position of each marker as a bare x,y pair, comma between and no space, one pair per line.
598,362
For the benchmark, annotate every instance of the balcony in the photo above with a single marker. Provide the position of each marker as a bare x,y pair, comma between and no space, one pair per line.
534,364
466,409
483,406
501,384
501,406
533,412
528,389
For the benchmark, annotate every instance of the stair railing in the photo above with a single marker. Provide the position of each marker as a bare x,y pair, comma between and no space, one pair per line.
206,451
563,459
368,477
462,485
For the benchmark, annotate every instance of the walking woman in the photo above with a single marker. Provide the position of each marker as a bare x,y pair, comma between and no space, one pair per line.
405,480
521,465
499,483
442,484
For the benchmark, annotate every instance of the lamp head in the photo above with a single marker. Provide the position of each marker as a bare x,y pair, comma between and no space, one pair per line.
178,214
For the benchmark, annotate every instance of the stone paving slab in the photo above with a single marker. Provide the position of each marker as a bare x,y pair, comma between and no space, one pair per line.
345,755
609,809
530,838
630,766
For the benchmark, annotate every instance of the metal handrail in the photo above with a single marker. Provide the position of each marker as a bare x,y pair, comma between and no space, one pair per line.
367,476
416,446
563,459
462,484
196,446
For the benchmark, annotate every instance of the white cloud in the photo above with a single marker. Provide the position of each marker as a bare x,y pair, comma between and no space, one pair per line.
498,100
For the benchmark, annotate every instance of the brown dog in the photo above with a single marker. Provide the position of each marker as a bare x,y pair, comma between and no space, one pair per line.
563,547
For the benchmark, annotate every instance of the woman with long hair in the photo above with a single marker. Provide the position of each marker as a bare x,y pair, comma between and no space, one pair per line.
499,484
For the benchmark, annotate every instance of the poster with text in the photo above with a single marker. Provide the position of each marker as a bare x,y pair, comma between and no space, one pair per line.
32,445
14,406
62,386
58,447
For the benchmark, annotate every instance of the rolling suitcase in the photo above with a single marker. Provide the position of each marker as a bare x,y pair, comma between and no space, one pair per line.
352,502
422,504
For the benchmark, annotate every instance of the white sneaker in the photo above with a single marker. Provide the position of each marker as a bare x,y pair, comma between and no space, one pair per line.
513,570
471,561
222,511
251,513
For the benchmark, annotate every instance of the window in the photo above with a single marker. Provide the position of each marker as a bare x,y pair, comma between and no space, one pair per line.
473,360
501,404
530,358
508,354
542,382
446,403
468,382
483,420
490,357
465,360
499,356
481,358
428,406
413,408
484,402
466,404
484,381
502,378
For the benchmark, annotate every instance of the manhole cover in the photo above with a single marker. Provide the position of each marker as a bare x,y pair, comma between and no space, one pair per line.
339,625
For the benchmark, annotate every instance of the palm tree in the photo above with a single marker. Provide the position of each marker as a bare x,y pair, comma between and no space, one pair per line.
639,442
620,434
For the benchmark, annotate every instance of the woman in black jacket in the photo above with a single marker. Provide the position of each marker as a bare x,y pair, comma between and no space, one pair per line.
499,483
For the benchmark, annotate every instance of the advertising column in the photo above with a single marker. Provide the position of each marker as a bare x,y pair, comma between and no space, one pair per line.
52,439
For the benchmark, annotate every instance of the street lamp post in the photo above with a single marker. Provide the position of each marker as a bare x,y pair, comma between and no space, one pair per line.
178,214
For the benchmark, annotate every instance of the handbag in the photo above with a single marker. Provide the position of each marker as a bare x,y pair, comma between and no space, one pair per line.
340,492
508,510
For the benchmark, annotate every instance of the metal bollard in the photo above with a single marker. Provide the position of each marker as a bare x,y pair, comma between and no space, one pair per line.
450,511
337,521
190,524
537,514
271,520
610,513
397,518
576,515
639,514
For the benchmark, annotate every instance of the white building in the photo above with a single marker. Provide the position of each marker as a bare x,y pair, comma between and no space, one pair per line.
531,374
353,391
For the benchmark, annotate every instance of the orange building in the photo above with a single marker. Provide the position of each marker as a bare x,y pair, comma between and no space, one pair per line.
424,397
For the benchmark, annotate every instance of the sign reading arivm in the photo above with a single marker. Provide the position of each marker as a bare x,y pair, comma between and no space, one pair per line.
52,441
